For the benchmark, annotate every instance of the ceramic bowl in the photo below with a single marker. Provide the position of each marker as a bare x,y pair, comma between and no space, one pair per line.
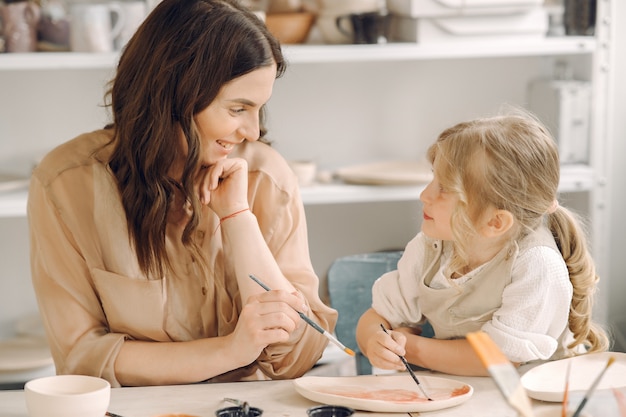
290,28
329,411
67,396
305,171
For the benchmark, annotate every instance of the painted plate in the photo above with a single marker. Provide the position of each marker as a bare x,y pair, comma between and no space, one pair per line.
546,382
384,393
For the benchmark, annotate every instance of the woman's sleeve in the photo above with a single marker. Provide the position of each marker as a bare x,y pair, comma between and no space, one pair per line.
395,294
75,324
535,307
283,225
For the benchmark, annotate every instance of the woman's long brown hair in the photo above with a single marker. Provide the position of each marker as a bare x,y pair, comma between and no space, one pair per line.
171,69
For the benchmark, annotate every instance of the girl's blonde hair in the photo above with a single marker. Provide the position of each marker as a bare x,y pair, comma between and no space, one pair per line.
511,162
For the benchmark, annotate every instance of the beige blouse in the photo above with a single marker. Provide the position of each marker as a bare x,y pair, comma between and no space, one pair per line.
93,296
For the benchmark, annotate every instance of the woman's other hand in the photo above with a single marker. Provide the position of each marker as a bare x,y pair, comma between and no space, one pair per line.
224,186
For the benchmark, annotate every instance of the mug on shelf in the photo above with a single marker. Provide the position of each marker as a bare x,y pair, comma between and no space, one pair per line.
54,26
368,27
94,26
134,14
329,10
19,25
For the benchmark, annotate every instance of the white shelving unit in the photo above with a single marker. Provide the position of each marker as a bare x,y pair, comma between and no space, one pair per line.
576,178
327,109
303,54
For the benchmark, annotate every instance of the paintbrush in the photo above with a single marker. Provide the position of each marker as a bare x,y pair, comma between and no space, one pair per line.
593,387
310,322
408,368
502,371
566,390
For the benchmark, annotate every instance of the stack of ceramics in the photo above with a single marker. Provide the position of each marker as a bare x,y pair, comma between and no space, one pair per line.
426,21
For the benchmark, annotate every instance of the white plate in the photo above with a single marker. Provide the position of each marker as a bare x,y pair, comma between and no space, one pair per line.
547,381
387,173
24,353
384,393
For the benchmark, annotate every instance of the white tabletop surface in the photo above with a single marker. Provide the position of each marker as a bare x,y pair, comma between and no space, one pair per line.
275,398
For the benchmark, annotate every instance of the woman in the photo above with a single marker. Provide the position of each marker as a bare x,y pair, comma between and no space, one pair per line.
147,231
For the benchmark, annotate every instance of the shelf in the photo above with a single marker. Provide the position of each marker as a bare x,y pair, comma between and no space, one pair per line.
339,193
440,50
574,178
567,45
57,61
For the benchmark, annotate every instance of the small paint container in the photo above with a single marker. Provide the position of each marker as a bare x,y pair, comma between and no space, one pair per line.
238,412
329,411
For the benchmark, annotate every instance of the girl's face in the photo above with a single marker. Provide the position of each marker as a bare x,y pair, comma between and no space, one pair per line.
234,114
438,205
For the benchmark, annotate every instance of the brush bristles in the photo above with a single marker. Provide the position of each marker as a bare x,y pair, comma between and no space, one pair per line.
486,349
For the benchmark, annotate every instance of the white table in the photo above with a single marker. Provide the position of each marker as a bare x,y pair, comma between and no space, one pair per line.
275,398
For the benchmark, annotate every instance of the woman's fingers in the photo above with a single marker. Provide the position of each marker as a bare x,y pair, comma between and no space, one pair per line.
267,318
224,185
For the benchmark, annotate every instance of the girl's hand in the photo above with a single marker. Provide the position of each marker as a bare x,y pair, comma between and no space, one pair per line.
383,350
224,186
267,318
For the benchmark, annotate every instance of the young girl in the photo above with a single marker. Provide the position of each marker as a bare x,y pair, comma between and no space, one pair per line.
496,253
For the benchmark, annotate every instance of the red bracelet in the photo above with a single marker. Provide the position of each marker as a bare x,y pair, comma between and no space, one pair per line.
230,216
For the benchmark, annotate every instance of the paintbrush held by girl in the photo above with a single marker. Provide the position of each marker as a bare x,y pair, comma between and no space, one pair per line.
496,252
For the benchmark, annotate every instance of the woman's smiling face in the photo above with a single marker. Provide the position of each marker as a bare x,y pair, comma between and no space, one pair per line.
233,116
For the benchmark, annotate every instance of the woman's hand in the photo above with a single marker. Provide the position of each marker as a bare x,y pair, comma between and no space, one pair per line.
267,318
224,186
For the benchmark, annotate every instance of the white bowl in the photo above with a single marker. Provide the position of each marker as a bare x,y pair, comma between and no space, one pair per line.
67,396
305,171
